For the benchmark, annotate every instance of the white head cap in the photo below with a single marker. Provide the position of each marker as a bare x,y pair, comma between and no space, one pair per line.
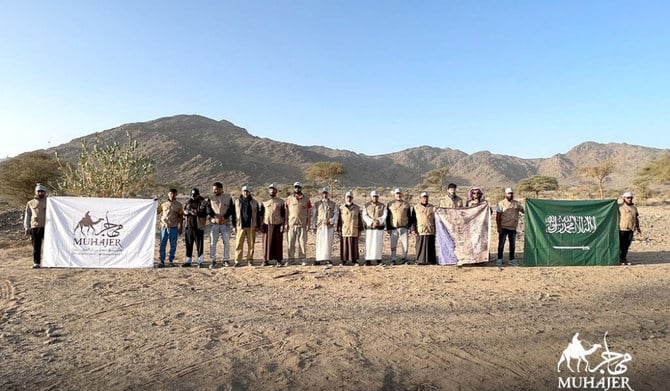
272,186
397,190
424,194
297,184
349,194
324,190
40,187
374,193
627,194
246,188
509,190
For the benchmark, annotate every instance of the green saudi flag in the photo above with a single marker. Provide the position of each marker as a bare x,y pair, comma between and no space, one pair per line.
571,233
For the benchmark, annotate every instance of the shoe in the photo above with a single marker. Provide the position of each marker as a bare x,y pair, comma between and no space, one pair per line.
316,263
329,263
236,264
380,263
499,262
160,265
36,265
171,264
286,263
226,263
514,262
186,264
249,263
212,265
265,263
405,262
368,263
200,265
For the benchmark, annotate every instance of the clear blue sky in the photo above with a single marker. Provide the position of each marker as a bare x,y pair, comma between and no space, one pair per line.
523,78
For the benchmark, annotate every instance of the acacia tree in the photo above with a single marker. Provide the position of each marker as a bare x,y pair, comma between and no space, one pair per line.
19,175
325,173
657,171
107,170
537,183
598,172
435,178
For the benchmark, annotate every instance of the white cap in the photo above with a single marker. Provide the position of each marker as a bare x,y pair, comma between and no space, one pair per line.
627,194
509,190
246,188
324,190
397,190
349,194
272,186
424,194
297,184
40,187
374,193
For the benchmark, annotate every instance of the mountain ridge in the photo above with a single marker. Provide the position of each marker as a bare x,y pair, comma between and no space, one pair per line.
193,150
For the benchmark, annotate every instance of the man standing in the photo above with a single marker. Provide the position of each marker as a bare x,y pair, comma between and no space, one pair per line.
451,200
195,211
324,219
629,223
398,223
33,222
350,226
374,217
423,216
273,214
475,197
246,221
297,222
171,214
220,211
507,219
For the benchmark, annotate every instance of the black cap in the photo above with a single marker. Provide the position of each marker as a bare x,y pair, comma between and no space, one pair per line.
195,191
451,186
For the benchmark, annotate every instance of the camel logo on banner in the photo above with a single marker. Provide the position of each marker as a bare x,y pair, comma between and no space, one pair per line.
586,373
99,232
108,228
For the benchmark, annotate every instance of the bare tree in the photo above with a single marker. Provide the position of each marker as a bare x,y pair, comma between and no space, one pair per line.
435,178
598,172
325,173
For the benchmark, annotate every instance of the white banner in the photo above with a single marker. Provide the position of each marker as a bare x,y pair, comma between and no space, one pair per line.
99,232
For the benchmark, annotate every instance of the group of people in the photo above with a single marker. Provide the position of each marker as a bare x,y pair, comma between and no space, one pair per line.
296,216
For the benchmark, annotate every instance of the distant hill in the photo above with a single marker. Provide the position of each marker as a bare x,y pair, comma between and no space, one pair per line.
191,150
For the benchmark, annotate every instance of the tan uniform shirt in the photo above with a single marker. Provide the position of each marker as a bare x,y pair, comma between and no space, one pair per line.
36,210
350,217
273,208
509,212
324,210
171,213
628,217
425,219
297,211
399,213
456,202
219,205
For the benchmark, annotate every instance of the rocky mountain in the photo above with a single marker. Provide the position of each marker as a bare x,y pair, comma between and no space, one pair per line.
191,150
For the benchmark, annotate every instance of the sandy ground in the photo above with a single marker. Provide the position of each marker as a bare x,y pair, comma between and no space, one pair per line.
324,328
